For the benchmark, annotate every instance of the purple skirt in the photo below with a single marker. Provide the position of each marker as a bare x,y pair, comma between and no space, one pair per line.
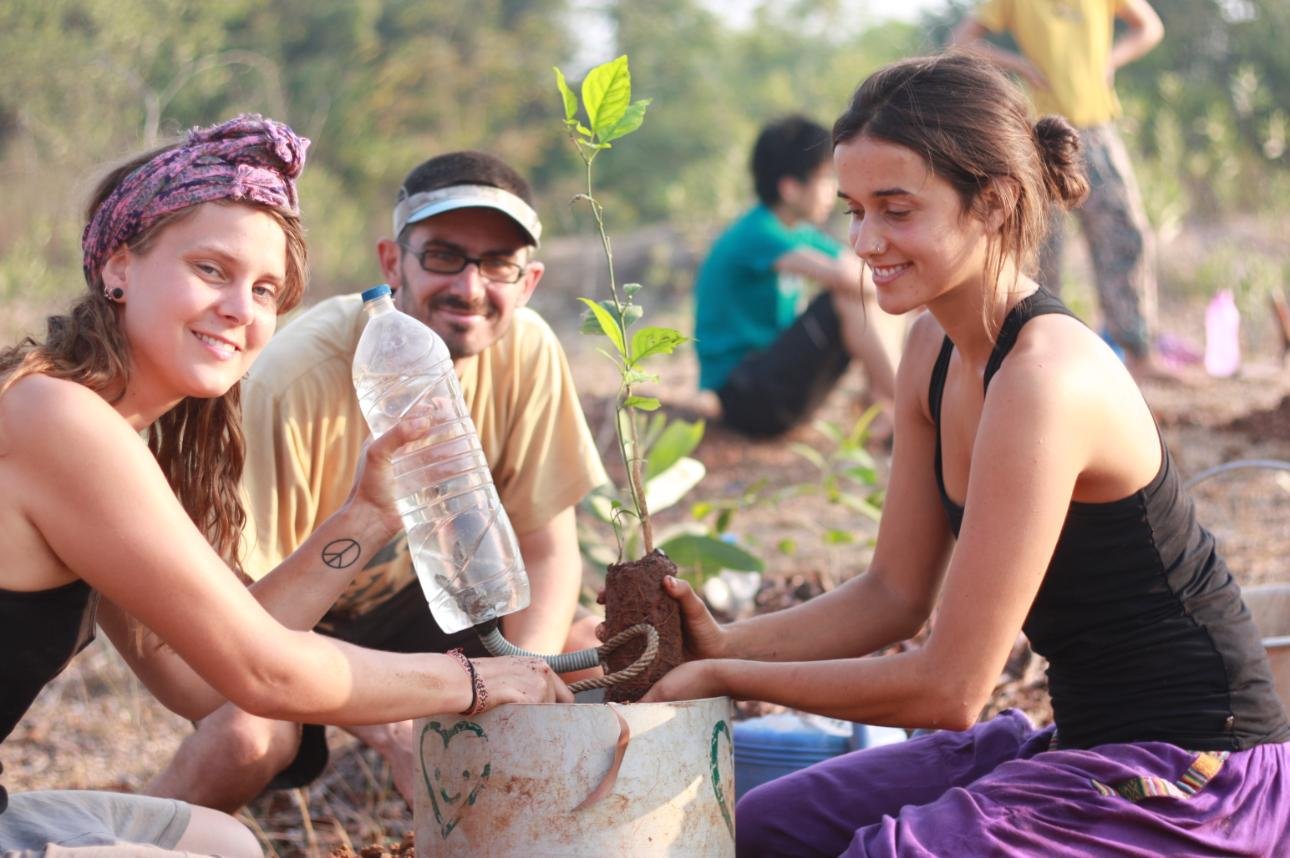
999,790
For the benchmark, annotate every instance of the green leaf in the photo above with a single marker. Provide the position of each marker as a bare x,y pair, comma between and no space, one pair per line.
631,119
787,546
723,519
863,474
644,403
631,313
575,125
810,454
861,506
667,489
590,325
861,430
830,430
636,376
654,427
606,95
654,341
677,440
856,455
757,487
700,509
709,556
570,100
630,289
838,537
614,359
608,326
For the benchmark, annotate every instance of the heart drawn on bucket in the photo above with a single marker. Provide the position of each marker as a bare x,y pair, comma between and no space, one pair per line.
720,790
450,777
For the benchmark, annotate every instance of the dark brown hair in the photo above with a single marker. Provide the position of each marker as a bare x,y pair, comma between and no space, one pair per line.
973,128
198,443
790,147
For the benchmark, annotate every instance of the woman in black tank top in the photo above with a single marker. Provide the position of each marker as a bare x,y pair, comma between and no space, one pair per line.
1029,490
191,253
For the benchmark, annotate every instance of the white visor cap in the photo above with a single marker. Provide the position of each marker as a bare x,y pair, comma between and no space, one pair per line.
426,204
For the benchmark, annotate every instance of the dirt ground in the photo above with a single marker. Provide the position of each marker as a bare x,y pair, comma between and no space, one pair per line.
95,727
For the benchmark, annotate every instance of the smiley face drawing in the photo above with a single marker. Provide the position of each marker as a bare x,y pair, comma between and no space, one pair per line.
452,784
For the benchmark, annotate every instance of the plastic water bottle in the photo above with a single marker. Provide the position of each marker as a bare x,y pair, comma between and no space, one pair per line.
461,541
1222,335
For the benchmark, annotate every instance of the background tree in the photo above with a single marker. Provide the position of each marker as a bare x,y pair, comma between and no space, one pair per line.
380,84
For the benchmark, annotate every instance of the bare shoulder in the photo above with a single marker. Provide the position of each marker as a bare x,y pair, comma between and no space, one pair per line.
1058,357
53,434
51,426
1063,377
38,410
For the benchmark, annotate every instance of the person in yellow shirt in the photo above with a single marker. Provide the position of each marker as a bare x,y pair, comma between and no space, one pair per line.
461,260
1069,54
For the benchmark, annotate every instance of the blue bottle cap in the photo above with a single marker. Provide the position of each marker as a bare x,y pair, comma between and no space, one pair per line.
375,292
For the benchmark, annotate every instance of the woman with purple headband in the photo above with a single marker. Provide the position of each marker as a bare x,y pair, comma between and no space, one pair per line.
120,455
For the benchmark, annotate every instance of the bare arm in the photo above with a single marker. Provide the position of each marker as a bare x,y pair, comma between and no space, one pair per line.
1020,486
970,35
297,593
555,574
893,598
92,490
1144,32
840,274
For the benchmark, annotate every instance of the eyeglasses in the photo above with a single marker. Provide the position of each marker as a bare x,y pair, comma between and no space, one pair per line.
439,260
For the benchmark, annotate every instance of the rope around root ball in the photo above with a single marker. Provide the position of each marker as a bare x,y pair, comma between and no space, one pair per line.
633,670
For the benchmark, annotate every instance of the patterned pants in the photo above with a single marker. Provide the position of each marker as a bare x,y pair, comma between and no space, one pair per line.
1119,242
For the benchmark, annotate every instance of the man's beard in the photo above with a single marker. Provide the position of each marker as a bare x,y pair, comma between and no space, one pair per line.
456,304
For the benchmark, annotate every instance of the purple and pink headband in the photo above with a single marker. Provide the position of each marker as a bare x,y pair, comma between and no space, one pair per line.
246,158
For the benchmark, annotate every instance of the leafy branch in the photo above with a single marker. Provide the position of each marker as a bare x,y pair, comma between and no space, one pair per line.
611,114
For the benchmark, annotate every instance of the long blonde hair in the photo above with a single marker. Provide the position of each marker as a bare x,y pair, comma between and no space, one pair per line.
198,443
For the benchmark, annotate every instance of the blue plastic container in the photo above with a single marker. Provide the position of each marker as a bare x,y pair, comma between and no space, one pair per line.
776,745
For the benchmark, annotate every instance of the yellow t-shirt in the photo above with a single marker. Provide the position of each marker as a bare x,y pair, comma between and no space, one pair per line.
1070,42
304,433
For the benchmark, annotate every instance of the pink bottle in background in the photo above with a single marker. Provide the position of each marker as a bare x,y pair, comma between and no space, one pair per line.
1222,335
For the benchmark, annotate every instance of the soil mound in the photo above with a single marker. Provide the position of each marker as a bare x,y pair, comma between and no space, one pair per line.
1271,423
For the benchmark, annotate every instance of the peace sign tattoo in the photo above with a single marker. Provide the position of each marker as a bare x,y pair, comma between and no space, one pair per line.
341,553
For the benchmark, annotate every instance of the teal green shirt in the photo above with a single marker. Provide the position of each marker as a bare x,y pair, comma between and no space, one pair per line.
741,303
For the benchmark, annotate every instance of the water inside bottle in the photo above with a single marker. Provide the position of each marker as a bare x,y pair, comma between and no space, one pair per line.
460,539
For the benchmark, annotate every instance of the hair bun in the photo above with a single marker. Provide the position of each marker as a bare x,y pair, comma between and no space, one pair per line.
1059,150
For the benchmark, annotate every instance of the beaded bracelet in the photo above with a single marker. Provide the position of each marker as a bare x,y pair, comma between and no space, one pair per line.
478,693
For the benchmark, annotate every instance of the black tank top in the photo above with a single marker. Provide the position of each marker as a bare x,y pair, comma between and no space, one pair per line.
1145,633
40,631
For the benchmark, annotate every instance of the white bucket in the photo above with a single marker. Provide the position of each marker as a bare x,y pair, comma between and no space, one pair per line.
1270,607
510,782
